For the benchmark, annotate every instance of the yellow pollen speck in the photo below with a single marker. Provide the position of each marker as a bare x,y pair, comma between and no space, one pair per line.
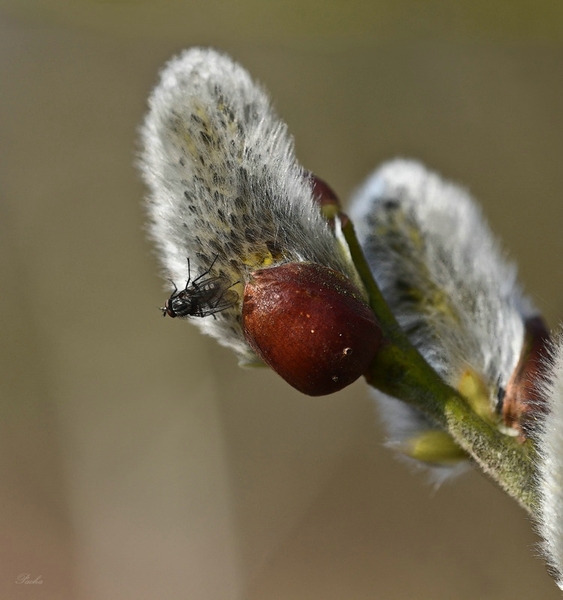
258,260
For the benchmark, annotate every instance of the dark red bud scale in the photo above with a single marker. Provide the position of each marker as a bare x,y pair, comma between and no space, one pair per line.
310,324
323,193
522,404
326,198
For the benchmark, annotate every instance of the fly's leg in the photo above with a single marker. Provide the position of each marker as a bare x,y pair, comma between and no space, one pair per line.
194,282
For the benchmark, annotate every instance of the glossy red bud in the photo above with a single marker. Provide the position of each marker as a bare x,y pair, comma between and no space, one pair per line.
311,325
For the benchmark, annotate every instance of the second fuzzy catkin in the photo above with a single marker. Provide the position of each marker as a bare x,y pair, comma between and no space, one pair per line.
446,280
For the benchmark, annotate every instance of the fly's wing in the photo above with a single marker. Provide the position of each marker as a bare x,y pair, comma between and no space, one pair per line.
227,299
214,295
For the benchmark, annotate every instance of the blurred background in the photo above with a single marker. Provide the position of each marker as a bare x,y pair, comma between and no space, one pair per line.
136,459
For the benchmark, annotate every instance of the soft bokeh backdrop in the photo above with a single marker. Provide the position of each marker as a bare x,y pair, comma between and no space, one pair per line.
137,461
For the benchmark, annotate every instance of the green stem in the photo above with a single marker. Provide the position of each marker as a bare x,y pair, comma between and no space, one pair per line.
400,371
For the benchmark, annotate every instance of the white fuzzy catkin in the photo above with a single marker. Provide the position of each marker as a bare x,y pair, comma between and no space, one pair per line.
444,277
549,444
225,185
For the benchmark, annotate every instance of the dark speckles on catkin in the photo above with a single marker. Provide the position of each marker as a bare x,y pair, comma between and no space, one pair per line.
233,251
242,172
218,180
196,119
222,216
216,246
273,248
228,112
250,113
235,241
391,204
250,235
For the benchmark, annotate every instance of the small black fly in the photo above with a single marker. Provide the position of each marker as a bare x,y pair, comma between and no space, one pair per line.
202,297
